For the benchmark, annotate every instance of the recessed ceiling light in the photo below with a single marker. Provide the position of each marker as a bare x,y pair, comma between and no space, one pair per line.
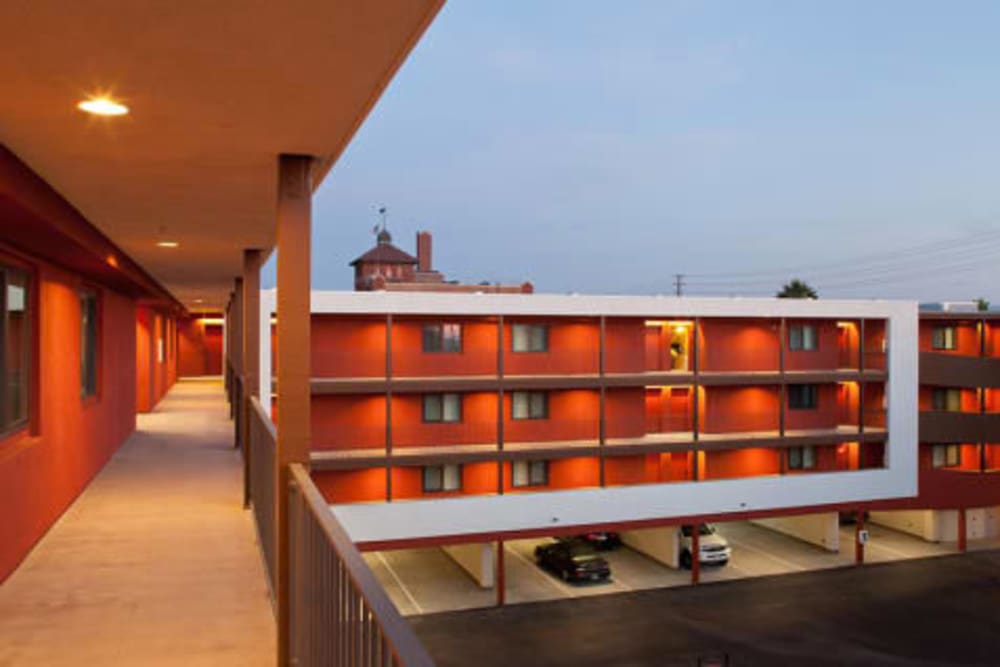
102,106
167,244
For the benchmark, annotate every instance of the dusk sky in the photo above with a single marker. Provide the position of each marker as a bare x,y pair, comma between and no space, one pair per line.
596,147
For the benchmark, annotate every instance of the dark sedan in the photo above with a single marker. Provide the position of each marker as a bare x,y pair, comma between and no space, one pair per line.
572,561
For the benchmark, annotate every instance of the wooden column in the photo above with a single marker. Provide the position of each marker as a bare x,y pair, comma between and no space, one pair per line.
293,309
251,353
238,369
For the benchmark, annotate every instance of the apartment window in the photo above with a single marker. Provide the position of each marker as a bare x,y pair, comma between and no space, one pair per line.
802,337
442,407
948,400
803,397
529,405
88,343
530,473
15,364
442,478
530,338
446,337
946,456
801,458
944,338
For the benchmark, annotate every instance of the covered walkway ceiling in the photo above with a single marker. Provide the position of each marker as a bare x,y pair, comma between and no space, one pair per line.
216,90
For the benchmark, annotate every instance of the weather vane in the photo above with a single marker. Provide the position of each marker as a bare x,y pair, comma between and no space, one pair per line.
380,227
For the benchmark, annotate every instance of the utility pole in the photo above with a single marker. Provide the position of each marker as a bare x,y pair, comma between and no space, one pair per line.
679,284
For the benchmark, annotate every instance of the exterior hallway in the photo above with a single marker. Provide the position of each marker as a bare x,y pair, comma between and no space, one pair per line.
156,563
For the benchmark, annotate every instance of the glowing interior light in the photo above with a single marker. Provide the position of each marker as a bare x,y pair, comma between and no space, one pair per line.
102,106
167,244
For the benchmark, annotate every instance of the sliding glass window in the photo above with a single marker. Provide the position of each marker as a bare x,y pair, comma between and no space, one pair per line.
16,335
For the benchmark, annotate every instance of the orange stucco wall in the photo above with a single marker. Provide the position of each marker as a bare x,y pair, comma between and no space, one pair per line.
825,415
625,345
42,472
348,422
739,345
828,350
734,409
967,338
574,347
742,463
199,347
668,409
153,375
478,425
573,415
348,346
478,355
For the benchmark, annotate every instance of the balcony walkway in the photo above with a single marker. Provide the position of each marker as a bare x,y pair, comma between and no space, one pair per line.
156,562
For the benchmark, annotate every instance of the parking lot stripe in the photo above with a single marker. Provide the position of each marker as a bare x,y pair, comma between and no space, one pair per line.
565,590
787,563
402,586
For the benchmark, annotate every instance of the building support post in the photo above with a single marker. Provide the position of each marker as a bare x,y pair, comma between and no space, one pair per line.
963,531
293,310
859,548
251,354
696,553
388,408
238,370
500,406
501,579
602,427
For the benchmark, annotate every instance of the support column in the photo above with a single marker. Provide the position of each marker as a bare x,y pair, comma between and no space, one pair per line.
293,310
500,410
963,532
388,408
602,434
501,580
859,548
252,260
695,399
239,388
696,553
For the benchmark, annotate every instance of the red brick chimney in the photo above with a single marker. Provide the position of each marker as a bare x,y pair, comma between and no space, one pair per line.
424,251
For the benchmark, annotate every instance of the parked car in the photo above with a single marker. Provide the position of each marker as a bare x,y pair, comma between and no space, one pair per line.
572,560
714,548
602,541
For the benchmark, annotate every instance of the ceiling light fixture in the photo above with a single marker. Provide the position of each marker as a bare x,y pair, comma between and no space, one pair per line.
167,244
102,106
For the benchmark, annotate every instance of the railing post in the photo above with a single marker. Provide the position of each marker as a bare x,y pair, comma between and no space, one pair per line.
293,310
251,355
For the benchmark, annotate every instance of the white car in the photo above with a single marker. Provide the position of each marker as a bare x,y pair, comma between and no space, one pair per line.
714,548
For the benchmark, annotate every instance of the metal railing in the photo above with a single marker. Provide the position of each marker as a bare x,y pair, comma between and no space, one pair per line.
340,615
261,449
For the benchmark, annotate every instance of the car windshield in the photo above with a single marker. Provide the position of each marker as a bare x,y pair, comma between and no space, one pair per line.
706,529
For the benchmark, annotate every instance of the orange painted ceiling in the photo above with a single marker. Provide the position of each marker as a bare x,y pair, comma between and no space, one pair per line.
216,90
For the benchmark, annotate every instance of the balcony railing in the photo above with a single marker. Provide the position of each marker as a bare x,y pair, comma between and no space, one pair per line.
261,445
340,615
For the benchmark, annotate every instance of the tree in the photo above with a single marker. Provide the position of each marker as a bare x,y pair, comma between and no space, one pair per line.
982,305
797,289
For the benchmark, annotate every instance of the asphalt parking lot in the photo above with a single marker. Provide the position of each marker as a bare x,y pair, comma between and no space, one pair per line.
425,581
929,611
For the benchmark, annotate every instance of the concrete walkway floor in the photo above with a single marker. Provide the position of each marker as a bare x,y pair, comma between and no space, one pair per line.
156,562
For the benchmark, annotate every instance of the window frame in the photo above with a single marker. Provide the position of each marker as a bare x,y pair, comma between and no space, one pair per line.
534,336
807,400
10,424
531,405
946,458
941,398
88,393
802,457
443,478
442,398
530,468
435,338
944,337
798,341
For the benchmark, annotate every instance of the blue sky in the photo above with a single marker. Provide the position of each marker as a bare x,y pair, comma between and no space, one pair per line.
602,147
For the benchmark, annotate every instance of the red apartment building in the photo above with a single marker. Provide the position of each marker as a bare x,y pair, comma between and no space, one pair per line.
497,417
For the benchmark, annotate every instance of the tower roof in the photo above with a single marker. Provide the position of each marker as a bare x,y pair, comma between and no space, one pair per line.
385,253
